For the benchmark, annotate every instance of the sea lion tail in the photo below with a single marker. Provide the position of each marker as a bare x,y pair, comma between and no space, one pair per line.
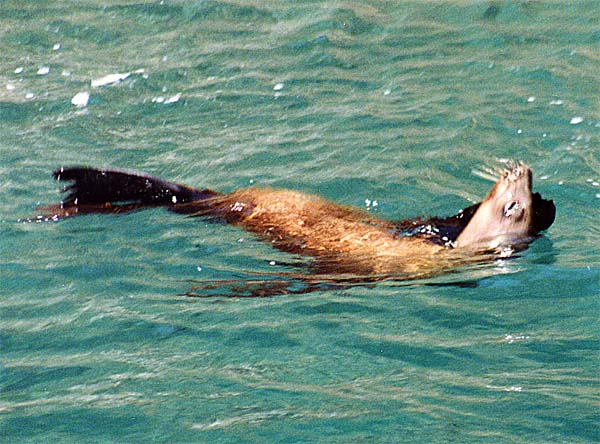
94,185
96,190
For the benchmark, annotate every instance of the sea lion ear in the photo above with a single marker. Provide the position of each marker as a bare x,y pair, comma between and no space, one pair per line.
544,212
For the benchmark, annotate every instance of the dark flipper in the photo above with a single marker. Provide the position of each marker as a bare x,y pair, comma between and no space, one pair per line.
115,191
93,186
544,212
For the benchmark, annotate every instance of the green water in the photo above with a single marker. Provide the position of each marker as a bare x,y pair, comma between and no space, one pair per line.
402,103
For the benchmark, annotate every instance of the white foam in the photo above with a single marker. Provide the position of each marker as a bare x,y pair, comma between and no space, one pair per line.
81,99
576,120
110,79
174,98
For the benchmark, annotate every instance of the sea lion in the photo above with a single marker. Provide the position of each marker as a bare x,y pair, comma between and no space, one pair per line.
340,239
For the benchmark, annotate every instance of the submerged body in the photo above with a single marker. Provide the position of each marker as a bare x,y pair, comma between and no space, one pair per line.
340,239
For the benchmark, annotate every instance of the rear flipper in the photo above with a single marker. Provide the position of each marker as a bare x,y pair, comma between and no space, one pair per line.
117,191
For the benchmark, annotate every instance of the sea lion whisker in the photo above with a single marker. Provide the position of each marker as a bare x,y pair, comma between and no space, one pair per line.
486,174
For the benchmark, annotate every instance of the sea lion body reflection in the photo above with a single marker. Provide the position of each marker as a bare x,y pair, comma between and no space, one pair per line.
340,239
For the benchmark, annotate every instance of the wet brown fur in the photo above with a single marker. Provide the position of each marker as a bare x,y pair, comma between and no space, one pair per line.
350,240
341,239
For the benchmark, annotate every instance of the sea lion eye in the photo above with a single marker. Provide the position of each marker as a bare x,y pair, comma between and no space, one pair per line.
511,208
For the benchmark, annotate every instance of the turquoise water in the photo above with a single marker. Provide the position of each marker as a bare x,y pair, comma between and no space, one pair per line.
403,104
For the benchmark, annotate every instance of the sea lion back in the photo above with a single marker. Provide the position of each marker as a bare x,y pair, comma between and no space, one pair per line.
343,238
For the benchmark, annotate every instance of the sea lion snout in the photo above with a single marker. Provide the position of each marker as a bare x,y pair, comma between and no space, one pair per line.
516,170
516,182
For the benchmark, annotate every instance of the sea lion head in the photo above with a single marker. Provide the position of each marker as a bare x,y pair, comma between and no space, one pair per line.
510,215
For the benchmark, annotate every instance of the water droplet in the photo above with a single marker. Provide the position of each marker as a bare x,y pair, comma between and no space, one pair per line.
576,120
109,79
174,98
81,99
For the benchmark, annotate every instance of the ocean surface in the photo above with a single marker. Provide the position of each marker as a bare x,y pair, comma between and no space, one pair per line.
395,107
